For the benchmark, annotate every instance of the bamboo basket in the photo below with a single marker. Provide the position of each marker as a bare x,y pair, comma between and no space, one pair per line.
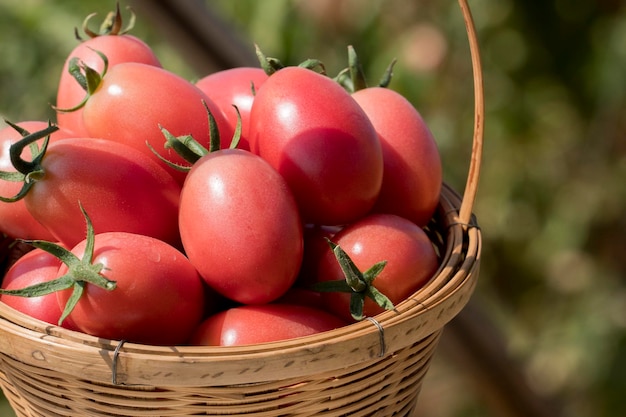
371,368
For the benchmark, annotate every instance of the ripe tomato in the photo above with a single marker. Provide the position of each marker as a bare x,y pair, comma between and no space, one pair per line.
240,226
134,100
234,87
246,325
158,298
319,139
315,247
410,255
15,220
118,48
32,268
121,188
413,173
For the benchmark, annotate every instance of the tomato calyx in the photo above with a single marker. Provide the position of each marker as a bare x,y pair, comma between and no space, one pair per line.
270,64
190,149
27,172
81,271
352,78
88,78
111,25
358,284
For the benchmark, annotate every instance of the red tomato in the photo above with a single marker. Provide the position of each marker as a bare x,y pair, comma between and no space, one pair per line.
319,139
15,220
158,298
33,268
315,247
248,325
240,226
234,87
118,49
410,255
302,296
413,173
134,100
121,189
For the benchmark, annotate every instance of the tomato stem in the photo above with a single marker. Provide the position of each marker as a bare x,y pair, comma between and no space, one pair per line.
356,70
269,65
27,172
387,75
190,149
81,271
88,78
358,284
111,25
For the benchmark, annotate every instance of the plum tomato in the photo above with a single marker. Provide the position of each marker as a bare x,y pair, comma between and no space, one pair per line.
118,47
410,255
246,325
158,298
234,87
412,174
121,188
240,226
320,140
134,101
15,219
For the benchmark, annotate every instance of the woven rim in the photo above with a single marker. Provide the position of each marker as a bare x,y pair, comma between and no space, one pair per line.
427,311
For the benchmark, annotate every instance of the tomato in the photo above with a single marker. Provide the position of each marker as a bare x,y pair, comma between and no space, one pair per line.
32,268
302,296
240,226
315,247
118,48
412,165
318,138
234,86
246,325
158,298
121,188
134,100
15,220
410,255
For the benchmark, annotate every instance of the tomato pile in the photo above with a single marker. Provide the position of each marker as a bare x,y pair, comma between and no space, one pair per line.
254,204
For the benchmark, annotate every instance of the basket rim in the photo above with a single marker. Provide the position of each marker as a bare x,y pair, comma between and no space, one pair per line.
108,361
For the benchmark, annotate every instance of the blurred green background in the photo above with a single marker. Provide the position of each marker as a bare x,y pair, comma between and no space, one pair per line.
552,193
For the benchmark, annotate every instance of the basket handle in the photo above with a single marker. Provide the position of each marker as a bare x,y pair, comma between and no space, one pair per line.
469,196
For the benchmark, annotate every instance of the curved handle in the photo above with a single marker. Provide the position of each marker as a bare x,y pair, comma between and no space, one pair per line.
473,175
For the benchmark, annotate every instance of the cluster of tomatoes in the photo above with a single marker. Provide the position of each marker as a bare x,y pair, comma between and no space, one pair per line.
254,204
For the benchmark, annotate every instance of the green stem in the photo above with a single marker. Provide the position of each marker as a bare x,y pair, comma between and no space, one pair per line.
81,271
358,284
356,70
27,172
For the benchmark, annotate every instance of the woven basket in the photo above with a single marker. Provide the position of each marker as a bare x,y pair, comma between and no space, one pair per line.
371,368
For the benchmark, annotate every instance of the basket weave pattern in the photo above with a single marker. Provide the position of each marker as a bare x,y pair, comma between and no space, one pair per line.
371,368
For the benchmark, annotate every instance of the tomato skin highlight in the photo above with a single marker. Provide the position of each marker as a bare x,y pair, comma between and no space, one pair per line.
246,325
319,139
120,188
410,255
412,175
240,226
135,100
158,298
15,219
234,87
117,49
